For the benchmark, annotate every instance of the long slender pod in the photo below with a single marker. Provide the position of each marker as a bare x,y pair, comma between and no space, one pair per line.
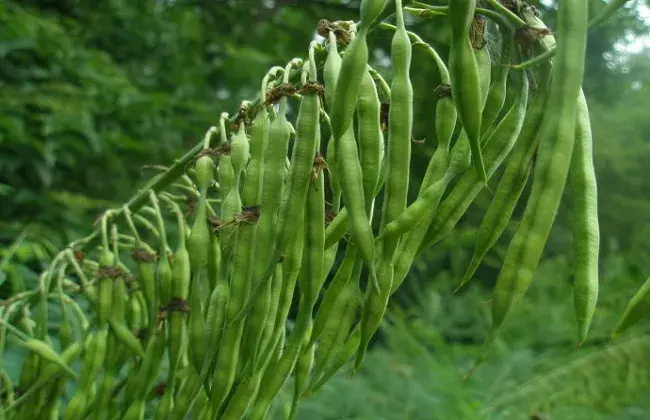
557,135
637,308
400,121
300,171
497,94
586,232
273,185
465,82
511,184
447,167
370,137
251,197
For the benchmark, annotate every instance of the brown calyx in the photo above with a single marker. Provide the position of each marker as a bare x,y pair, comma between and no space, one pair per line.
79,256
243,115
160,388
249,215
312,87
442,91
329,216
110,272
178,305
477,32
340,29
526,36
384,111
274,94
318,166
142,255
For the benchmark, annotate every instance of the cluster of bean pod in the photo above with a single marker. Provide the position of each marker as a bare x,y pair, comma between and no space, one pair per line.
192,319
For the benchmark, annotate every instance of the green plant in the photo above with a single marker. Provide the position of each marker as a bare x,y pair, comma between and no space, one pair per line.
231,379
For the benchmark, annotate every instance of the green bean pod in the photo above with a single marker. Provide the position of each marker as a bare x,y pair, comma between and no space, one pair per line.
30,367
243,397
147,373
231,203
311,277
254,175
181,266
347,159
465,82
65,327
165,404
273,184
50,372
291,270
215,274
496,96
556,139
637,308
101,406
46,353
177,318
410,217
498,147
341,278
226,176
228,358
353,67
338,227
251,196
586,232
295,193
344,356
125,336
215,318
277,374
370,138
444,166
400,121
136,411
511,185
331,70
483,63
163,268
339,322
276,293
255,324
301,373
76,407
136,312
114,349
145,258
344,163
184,395
105,288
198,246
445,114
53,399
445,121
93,360
302,159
